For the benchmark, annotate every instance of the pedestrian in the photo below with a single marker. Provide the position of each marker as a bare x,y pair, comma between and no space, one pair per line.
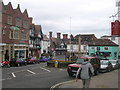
85,72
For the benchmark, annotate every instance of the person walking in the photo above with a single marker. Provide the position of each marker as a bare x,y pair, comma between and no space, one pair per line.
85,72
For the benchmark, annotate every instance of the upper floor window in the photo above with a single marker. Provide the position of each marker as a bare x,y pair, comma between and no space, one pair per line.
18,22
16,34
25,24
24,35
9,19
11,34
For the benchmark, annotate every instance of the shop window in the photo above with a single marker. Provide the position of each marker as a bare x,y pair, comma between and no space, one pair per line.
115,54
9,19
20,53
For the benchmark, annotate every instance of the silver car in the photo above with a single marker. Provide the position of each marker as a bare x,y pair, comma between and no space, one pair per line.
114,63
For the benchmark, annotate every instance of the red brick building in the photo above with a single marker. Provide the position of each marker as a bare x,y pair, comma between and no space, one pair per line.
115,28
15,32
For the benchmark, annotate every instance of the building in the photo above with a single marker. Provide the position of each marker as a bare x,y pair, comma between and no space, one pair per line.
36,36
85,39
115,27
45,44
103,47
15,32
115,39
0,30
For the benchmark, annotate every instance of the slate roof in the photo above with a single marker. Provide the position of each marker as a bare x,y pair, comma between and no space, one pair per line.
102,42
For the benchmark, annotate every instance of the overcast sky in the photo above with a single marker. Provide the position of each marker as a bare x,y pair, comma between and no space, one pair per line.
87,16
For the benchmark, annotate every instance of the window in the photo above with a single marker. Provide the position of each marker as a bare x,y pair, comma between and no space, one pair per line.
9,19
16,34
25,24
24,35
11,34
18,22
106,48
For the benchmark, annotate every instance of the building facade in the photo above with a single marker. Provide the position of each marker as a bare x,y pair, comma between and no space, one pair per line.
15,32
36,36
104,48
0,30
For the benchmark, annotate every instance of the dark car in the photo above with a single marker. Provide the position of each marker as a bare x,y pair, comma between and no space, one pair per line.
105,66
17,62
95,61
32,60
44,59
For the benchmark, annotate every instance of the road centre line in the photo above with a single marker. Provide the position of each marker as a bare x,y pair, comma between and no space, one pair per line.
13,75
45,69
31,72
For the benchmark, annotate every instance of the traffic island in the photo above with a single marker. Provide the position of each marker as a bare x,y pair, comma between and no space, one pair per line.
59,63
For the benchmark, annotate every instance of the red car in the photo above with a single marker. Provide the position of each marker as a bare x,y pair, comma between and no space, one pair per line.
95,61
5,64
32,60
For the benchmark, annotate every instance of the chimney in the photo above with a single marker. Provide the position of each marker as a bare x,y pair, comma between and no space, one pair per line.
30,20
65,36
58,35
50,35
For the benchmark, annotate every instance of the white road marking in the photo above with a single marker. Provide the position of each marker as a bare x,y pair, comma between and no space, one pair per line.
45,69
13,75
31,72
56,85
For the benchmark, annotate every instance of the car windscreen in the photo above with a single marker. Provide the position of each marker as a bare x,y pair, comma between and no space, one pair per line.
104,62
113,62
80,60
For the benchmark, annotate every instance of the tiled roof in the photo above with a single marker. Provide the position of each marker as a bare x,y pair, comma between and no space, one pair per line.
102,42
45,38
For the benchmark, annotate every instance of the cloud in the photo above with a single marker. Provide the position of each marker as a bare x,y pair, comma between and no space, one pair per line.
87,16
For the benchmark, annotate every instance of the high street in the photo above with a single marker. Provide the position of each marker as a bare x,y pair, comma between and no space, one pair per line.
33,76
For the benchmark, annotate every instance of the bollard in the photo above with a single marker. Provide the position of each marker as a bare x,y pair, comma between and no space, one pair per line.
56,64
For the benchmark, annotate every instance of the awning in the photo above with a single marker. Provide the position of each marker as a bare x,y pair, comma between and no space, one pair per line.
14,28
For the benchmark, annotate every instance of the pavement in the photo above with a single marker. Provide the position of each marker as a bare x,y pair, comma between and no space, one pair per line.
104,80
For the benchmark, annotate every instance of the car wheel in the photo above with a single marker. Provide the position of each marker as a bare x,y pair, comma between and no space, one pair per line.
25,64
70,74
96,72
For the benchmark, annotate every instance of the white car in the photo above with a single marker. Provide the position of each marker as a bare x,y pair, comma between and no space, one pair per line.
105,66
114,63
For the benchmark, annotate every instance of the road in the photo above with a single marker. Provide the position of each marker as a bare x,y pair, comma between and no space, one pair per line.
33,76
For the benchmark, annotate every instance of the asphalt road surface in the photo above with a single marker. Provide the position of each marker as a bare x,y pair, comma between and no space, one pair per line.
33,76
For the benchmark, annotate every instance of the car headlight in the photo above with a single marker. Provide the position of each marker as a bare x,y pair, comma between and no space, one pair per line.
69,67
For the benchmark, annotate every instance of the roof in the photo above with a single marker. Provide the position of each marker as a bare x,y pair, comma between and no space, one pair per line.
86,38
45,38
102,42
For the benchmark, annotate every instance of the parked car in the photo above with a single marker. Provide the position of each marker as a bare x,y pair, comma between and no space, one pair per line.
17,62
105,66
32,60
5,64
44,59
115,64
95,61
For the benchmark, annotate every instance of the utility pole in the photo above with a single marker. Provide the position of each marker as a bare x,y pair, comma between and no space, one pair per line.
118,5
70,40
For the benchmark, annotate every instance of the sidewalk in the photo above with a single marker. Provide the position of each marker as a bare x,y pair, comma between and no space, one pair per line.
105,80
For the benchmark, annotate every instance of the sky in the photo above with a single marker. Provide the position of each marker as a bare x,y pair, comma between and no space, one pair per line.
70,16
